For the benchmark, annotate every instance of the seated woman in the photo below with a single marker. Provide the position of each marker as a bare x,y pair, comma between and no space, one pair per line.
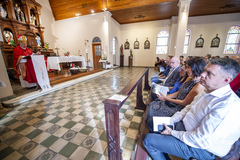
170,104
158,62
177,85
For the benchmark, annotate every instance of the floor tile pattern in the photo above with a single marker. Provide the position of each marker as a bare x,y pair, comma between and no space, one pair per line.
70,123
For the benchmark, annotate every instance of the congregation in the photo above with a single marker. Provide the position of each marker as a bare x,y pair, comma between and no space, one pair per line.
203,103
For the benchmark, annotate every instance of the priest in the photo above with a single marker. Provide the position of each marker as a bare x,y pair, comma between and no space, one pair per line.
22,63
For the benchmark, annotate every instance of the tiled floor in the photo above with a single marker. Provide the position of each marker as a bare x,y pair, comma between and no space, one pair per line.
70,123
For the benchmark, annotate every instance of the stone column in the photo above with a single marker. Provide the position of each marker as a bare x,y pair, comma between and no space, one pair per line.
181,26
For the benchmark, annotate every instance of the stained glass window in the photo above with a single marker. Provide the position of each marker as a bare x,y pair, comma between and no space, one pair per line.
162,42
233,40
186,41
96,40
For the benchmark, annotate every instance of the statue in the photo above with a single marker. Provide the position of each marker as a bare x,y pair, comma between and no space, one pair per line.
3,13
121,50
38,39
33,19
17,11
131,55
22,16
8,36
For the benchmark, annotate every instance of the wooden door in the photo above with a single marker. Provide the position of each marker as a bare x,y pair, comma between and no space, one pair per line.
96,55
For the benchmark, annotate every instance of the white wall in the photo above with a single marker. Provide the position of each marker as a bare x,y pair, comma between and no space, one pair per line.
114,31
4,91
48,21
142,31
209,26
73,32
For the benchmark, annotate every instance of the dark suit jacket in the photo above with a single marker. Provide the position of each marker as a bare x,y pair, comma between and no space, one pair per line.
173,77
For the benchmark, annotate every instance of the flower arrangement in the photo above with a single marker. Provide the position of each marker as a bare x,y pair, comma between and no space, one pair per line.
12,43
46,46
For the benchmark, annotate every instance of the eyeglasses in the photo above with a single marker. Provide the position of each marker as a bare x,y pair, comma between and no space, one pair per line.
172,62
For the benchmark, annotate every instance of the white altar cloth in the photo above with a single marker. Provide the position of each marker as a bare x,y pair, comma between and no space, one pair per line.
53,62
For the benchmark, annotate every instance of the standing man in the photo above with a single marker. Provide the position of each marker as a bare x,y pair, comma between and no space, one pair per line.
209,126
22,63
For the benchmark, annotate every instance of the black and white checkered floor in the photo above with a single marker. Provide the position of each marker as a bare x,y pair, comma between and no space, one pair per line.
70,123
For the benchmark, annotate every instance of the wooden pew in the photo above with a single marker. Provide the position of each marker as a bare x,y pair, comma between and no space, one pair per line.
112,113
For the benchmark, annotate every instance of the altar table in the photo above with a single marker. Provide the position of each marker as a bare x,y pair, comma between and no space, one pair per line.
56,62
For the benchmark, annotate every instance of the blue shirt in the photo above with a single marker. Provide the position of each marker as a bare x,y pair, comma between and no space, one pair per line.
167,71
176,86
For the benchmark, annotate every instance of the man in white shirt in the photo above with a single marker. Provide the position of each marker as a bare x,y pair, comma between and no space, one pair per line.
209,126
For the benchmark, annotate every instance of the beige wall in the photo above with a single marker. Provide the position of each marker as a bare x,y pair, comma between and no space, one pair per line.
4,91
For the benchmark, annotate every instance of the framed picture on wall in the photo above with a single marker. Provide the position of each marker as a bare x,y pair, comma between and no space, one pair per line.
215,41
136,44
199,42
126,45
147,44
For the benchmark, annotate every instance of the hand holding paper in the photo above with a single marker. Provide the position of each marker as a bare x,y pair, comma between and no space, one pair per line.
160,89
161,97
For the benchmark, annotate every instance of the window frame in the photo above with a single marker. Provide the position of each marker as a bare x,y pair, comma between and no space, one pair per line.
236,44
162,45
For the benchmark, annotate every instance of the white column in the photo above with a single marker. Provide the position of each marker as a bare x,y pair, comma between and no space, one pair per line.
183,12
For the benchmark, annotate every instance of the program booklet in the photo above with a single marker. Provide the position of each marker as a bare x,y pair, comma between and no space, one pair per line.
158,123
160,89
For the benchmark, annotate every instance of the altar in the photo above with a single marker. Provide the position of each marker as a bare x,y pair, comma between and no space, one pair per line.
56,63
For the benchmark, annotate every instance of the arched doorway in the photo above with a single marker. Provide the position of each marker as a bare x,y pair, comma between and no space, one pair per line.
96,47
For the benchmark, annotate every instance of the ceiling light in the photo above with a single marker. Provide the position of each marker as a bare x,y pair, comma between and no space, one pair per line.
104,9
77,14
92,11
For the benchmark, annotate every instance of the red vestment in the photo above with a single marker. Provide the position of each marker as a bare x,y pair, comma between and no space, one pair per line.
235,84
18,52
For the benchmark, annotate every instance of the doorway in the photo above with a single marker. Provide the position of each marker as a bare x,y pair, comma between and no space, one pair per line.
96,55
115,50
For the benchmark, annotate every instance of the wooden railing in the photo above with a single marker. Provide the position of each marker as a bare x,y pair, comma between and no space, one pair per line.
112,113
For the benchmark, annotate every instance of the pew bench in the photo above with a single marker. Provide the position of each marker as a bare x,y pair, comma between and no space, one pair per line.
141,153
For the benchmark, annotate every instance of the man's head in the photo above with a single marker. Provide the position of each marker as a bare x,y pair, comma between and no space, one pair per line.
174,62
218,73
22,40
208,56
168,59
181,58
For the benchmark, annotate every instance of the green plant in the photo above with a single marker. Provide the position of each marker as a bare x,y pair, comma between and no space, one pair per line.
12,43
46,45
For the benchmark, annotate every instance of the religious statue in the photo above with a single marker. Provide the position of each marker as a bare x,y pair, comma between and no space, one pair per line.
17,11
38,39
131,55
8,36
22,16
121,50
33,19
3,12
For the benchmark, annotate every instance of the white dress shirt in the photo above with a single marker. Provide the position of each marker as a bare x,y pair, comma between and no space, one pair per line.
212,121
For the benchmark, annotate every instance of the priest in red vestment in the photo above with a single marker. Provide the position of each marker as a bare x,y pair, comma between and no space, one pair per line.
22,63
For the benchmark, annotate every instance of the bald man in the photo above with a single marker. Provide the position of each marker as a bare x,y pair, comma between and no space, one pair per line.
173,74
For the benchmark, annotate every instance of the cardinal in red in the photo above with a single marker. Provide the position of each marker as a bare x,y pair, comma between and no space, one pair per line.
27,71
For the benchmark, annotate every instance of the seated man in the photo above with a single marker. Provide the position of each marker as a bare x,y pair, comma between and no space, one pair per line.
22,66
164,75
173,74
209,126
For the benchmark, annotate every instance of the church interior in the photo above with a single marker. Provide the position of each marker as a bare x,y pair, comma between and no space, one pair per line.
92,50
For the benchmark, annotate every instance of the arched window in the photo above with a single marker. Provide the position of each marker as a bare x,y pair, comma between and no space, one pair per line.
162,42
186,41
233,40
